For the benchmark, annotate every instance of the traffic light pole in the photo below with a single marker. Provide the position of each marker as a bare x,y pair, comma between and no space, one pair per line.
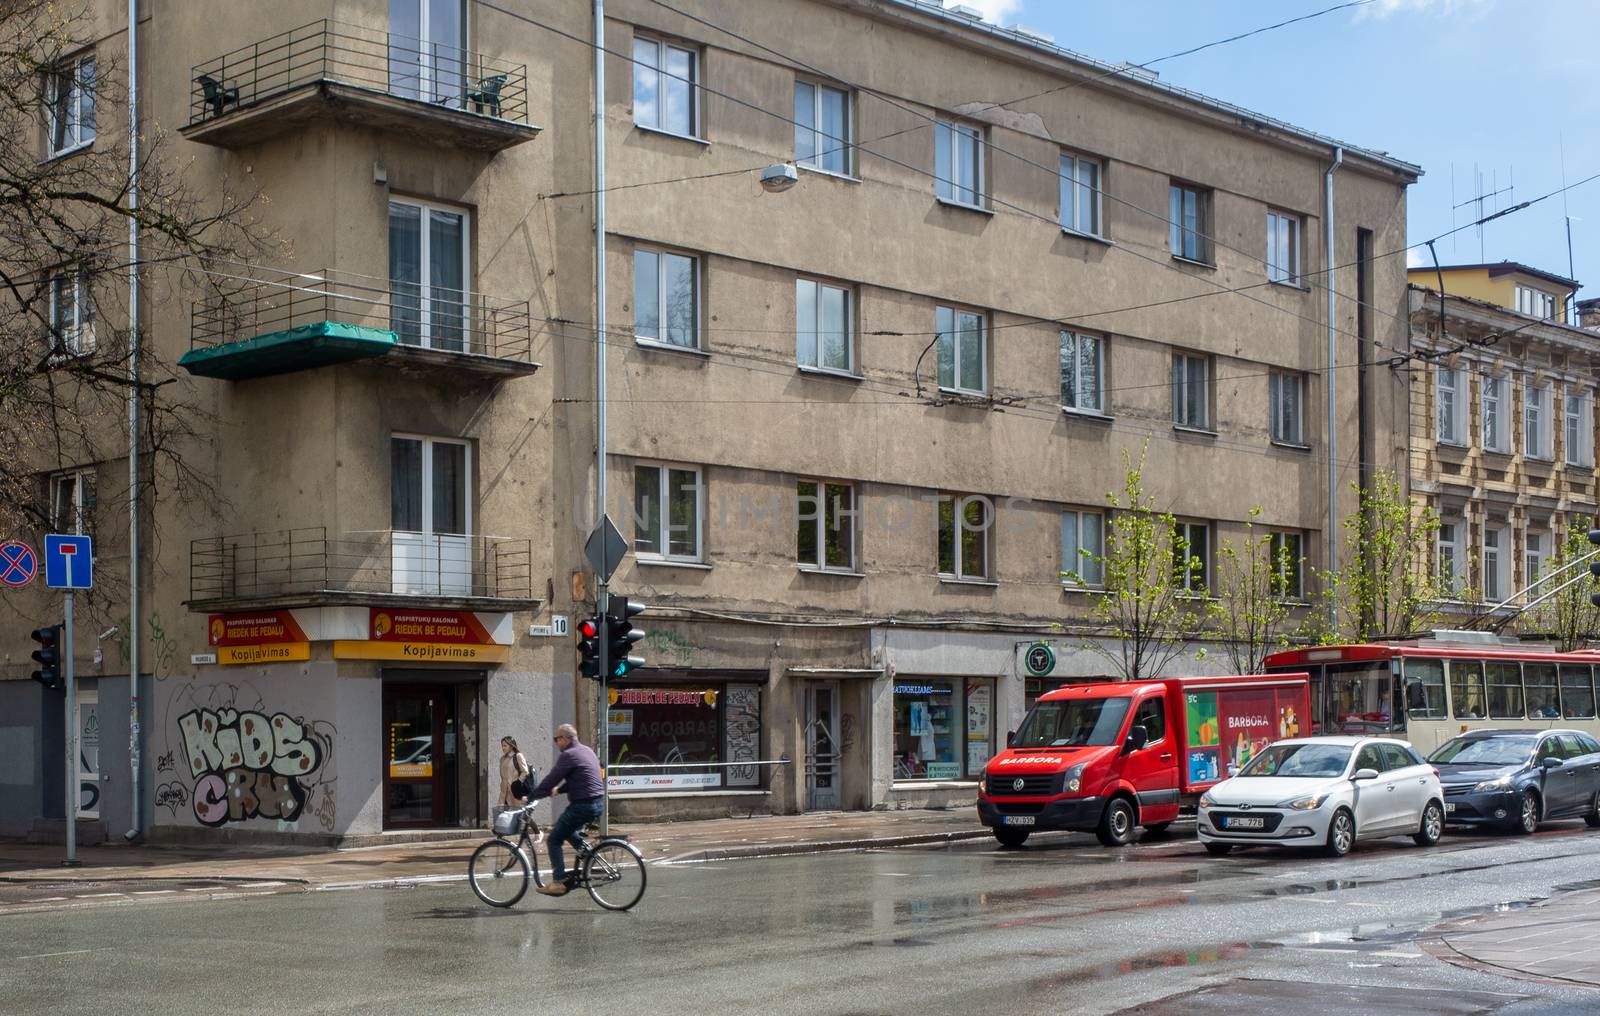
72,734
602,735
602,728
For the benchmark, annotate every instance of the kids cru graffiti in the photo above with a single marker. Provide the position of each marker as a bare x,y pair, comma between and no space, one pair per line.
246,765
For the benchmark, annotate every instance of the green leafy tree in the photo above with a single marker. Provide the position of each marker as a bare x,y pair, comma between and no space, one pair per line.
1250,608
1388,585
1567,618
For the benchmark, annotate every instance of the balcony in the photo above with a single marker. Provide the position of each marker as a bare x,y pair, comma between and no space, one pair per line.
331,71
277,322
308,568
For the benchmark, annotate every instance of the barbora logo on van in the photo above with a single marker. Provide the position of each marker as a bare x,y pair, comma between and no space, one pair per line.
1052,759
1246,721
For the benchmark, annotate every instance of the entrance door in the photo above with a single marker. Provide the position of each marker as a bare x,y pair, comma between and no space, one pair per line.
822,746
419,756
426,60
431,517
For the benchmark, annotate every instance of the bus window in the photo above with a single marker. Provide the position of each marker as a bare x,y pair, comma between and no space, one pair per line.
1466,689
1505,691
1577,693
1360,699
1544,702
1424,683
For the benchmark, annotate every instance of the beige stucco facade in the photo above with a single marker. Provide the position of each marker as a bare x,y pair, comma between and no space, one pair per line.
851,655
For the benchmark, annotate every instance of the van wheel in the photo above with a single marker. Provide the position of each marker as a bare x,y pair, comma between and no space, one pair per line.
1341,834
1116,823
1432,826
1219,849
1009,837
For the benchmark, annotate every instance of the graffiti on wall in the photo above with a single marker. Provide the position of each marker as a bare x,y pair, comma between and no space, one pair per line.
742,705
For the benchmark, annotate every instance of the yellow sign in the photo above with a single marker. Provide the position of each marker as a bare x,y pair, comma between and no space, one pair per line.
410,769
272,652
429,652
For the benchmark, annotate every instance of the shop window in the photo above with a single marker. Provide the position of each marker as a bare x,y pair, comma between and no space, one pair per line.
658,733
943,729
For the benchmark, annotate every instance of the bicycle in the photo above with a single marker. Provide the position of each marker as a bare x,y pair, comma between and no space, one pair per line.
612,870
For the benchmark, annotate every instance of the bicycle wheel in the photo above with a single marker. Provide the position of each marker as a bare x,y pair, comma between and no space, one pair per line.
614,874
498,873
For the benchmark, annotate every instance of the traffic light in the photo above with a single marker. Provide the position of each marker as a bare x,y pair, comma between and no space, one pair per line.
590,631
621,635
48,656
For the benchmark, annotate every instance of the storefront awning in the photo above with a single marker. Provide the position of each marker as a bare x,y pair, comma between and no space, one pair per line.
835,672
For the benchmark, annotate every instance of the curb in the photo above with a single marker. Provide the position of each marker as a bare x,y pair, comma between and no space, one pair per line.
793,849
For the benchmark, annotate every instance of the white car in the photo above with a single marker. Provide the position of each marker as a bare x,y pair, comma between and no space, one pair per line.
1325,792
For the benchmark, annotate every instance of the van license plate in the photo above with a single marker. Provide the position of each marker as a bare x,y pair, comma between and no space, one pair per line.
1019,819
1246,822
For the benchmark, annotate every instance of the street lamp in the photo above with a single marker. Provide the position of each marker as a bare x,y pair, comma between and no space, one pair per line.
779,177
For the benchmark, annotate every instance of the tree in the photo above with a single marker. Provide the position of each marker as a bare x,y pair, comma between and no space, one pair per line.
1388,586
1144,609
1567,618
1249,608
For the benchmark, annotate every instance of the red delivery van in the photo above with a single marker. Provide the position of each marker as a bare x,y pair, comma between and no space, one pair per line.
1109,758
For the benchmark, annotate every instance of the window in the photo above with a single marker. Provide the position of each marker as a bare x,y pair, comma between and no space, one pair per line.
1080,195
666,95
1083,548
431,516
1082,383
1536,434
1191,391
826,525
964,525
1532,558
962,363
943,729
667,512
1580,427
1505,691
1543,698
1466,690
1370,757
1496,562
1286,561
71,314
1496,430
1452,557
822,326
72,502
1395,757
1152,716
69,93
1535,303
427,275
1577,692
666,298
1283,248
425,43
1448,400
1191,555
1189,219
958,163
822,127
1424,684
1287,399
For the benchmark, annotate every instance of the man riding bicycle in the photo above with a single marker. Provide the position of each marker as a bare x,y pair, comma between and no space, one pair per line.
578,769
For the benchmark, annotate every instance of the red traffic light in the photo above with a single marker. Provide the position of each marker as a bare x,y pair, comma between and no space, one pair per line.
587,629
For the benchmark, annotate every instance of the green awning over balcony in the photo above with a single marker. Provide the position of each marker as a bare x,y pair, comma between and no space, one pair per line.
302,348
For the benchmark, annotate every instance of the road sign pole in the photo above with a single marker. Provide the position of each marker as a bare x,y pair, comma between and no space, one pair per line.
72,734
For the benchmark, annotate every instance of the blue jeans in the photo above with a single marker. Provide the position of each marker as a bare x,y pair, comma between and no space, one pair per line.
567,830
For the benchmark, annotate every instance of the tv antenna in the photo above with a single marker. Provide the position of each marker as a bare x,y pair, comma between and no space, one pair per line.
1482,197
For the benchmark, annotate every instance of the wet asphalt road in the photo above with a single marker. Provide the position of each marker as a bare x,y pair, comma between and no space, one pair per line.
1063,927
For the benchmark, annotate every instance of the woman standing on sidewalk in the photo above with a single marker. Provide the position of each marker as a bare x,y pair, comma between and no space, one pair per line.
513,767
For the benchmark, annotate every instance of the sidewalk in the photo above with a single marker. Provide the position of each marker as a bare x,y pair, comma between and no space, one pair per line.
1558,939
23,864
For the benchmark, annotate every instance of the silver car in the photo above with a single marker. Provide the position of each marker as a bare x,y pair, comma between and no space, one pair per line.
1325,792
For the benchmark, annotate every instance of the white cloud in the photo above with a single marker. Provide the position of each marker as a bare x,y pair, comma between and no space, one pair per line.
1382,10
1415,258
994,11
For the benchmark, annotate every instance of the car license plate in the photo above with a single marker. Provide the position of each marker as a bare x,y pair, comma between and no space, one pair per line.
1449,807
1245,822
1019,819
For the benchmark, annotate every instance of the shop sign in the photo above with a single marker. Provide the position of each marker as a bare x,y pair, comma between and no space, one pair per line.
922,689
944,770
1039,659
435,626
619,722
420,652
257,628
663,696
409,756
673,781
277,652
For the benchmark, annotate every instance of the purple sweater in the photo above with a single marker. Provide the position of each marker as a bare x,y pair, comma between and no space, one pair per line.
579,768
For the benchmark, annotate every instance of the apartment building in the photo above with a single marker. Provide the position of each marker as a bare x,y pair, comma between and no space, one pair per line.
1503,424
861,432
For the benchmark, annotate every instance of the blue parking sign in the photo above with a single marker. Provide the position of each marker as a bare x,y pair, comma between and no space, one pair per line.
68,562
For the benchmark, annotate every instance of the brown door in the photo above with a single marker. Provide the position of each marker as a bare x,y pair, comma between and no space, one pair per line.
418,756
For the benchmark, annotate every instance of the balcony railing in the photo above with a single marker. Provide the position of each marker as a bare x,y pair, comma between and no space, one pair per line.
420,315
307,566
362,58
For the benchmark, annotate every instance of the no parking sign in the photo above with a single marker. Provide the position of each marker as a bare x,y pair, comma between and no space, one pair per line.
18,563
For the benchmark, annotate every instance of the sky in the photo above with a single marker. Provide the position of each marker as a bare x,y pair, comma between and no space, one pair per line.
1459,87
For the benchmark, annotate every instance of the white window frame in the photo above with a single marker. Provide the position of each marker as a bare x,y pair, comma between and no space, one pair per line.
1493,393
1283,248
83,500
949,140
1496,562
1284,429
1083,567
1179,197
662,48
1184,366
818,289
983,570
1449,546
1448,429
1535,303
428,442
1083,379
821,143
1192,582
1533,557
79,76
663,551
1073,201
1538,438
958,381
845,520
1287,585
1579,421
425,287
74,337
661,254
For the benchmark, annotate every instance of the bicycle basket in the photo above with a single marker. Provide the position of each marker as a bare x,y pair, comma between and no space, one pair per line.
508,823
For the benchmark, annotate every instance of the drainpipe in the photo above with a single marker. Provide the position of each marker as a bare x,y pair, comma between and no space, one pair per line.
1333,418
135,625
